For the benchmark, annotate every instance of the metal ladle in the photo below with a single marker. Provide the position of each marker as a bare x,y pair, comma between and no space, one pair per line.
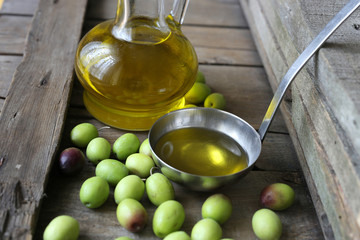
239,130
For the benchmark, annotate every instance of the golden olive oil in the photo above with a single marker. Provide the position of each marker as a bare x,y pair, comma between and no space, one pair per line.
129,84
201,151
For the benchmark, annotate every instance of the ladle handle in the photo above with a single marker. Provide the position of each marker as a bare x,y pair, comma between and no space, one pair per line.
339,18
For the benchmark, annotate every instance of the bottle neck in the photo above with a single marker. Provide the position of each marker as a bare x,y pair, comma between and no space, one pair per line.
138,8
140,21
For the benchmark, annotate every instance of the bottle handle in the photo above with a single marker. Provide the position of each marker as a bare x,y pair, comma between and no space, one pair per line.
179,9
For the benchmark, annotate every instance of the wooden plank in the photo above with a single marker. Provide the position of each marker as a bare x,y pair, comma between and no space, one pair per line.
233,57
336,71
106,9
325,131
13,33
236,38
261,31
8,65
336,182
247,88
278,154
33,114
215,13
101,223
25,7
200,12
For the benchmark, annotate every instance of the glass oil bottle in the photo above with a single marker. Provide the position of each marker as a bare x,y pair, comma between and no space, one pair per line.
138,66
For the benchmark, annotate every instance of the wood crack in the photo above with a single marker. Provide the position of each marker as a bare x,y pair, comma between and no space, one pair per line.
44,80
18,195
4,220
2,160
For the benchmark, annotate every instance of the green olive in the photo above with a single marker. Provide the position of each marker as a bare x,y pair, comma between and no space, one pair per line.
168,218
62,227
131,215
129,187
217,207
111,170
82,134
206,229
139,164
159,189
94,192
98,149
266,225
126,145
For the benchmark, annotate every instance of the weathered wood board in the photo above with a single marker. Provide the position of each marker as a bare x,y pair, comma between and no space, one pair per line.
22,8
198,12
229,59
8,65
14,30
323,114
33,114
248,94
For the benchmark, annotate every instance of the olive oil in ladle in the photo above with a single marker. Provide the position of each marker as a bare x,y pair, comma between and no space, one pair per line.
201,151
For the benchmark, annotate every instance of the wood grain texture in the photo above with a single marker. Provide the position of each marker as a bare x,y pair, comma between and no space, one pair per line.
336,69
237,38
25,7
13,34
8,65
229,59
324,103
211,12
200,12
33,114
234,57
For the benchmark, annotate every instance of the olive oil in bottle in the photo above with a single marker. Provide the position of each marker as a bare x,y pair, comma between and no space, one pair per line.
201,151
130,83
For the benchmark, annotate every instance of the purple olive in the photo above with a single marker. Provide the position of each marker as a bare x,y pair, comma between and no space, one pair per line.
71,161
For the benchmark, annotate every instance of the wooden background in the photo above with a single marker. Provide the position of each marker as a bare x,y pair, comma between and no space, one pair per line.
41,103
323,113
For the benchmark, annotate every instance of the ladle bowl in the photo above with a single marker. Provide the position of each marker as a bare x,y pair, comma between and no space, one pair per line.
210,118
236,128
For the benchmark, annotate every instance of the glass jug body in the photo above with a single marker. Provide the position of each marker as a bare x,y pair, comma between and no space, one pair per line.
136,67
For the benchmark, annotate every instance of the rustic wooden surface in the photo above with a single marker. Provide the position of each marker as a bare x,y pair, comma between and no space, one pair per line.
229,59
323,111
33,113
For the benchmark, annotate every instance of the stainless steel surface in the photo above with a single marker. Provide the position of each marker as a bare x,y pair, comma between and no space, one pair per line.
244,134
318,41
224,122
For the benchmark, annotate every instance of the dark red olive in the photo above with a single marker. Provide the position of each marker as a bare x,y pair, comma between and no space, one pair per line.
71,161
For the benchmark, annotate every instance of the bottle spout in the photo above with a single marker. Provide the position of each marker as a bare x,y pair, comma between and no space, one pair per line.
179,9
